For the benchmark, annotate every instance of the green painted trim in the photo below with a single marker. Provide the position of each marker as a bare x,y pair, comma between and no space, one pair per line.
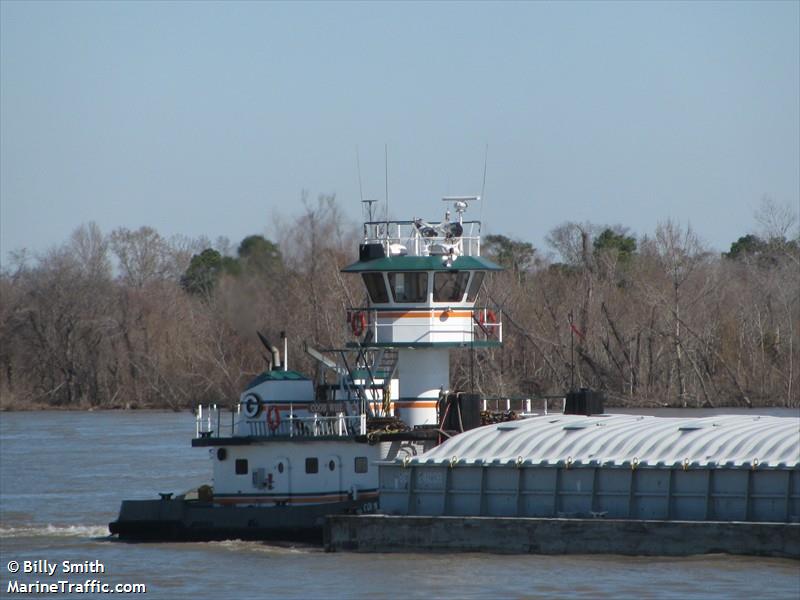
277,376
422,263
376,374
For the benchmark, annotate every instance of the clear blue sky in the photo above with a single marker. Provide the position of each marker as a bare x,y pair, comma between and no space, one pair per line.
204,118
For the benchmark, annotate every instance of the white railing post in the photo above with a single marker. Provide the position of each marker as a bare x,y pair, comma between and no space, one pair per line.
527,405
363,424
198,418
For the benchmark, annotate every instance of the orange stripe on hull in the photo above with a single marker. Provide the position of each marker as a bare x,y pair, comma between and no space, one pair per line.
416,404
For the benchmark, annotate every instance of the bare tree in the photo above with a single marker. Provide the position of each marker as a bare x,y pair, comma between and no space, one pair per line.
143,255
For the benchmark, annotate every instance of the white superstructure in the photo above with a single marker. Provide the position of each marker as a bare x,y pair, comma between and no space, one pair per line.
422,279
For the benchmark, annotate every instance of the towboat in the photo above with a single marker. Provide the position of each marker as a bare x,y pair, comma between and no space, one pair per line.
293,450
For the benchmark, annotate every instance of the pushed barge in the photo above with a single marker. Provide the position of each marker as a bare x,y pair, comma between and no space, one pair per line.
720,468
290,452
602,484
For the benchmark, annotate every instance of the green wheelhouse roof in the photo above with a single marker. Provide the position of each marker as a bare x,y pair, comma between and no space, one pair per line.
277,376
422,263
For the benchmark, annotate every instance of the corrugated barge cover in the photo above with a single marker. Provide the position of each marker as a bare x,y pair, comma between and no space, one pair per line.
622,440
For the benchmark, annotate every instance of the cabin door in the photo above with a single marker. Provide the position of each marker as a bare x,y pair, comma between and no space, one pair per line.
331,471
281,476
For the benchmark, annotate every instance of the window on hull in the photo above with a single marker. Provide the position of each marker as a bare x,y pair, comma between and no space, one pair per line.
312,465
409,287
361,464
241,466
450,286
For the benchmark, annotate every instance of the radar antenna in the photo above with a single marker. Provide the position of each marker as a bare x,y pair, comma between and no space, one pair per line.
461,204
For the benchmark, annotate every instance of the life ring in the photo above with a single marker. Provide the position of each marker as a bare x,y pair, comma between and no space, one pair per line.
273,418
252,405
487,317
358,322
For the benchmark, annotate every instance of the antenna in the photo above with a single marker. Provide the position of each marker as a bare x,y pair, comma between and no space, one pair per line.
386,167
483,185
358,166
571,352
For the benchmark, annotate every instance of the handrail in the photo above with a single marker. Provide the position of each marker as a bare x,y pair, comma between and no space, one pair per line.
522,404
486,323
209,424
408,234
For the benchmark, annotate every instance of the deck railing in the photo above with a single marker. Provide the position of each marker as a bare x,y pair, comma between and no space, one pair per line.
407,234
524,405
486,325
210,423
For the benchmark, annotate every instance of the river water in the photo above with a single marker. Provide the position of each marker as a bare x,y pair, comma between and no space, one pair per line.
64,474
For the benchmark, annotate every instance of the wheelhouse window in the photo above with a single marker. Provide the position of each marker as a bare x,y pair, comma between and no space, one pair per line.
361,464
312,465
241,466
475,285
450,286
376,287
409,287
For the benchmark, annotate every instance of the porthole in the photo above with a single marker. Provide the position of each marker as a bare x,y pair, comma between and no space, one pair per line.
222,454
332,465
280,467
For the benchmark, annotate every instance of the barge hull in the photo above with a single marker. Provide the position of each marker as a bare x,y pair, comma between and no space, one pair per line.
515,535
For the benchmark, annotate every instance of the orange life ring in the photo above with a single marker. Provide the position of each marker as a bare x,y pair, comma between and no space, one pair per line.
487,317
273,418
358,323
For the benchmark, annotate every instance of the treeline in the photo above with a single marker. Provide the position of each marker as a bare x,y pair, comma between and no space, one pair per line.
132,319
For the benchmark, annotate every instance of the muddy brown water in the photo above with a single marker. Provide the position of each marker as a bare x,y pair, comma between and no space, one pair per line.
64,474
